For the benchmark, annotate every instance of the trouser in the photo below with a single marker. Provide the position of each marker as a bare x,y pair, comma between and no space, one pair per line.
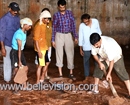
119,67
7,64
86,58
64,42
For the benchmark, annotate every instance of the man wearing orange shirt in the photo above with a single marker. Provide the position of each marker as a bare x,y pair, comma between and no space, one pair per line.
40,44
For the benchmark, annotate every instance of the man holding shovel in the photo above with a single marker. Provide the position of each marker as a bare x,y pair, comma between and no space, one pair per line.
110,56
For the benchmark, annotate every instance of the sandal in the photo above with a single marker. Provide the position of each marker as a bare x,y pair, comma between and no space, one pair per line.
16,93
71,76
128,96
60,76
47,77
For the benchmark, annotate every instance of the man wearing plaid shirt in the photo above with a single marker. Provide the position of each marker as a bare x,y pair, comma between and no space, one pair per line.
62,30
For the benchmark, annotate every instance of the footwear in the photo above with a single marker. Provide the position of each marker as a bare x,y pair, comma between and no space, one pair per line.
27,89
128,96
60,76
93,92
71,76
41,81
7,82
16,93
85,80
47,77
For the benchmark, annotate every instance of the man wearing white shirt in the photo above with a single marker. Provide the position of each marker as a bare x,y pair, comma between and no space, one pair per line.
86,28
110,57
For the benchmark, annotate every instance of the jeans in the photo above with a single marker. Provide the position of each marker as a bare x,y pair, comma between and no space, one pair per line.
86,58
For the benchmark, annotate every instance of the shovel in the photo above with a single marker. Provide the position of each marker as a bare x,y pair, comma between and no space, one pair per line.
111,85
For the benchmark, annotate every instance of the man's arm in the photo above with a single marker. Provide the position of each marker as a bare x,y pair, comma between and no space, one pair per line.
2,35
111,64
3,51
81,40
54,27
101,65
19,52
99,29
38,48
81,51
73,25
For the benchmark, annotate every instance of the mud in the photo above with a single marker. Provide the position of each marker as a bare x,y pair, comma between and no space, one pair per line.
56,97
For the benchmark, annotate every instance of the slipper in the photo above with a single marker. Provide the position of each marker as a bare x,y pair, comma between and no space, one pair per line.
41,81
71,76
16,93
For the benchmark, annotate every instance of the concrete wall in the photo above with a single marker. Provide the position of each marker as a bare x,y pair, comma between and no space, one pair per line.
113,15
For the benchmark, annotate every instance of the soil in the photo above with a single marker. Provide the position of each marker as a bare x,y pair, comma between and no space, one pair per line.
74,97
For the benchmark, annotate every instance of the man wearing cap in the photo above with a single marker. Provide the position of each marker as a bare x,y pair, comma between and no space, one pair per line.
40,43
62,29
18,43
9,23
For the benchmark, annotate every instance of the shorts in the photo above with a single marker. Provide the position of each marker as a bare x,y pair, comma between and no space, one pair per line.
14,58
40,61
47,56
119,68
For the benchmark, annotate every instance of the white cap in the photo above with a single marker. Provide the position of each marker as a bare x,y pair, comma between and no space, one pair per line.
44,14
26,20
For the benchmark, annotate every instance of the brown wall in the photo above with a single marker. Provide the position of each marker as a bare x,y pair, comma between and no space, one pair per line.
113,15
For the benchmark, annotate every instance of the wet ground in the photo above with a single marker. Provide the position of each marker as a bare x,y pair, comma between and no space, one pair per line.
56,97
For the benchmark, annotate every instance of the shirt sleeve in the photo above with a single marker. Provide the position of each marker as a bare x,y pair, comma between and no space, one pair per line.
36,33
2,28
73,25
94,50
99,30
19,36
80,35
54,26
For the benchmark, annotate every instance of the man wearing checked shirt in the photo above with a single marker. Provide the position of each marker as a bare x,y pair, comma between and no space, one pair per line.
62,30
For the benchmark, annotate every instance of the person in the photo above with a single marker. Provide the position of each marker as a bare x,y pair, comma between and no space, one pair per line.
48,40
86,28
41,45
18,43
63,27
110,57
9,23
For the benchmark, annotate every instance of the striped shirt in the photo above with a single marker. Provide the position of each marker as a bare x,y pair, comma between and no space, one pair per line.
63,23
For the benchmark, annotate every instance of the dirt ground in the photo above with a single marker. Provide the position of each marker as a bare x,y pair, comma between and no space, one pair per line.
56,97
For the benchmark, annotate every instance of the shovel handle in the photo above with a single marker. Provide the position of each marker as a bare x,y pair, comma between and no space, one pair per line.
111,85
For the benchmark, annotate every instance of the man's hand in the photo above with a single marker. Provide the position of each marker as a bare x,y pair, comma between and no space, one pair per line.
108,77
40,54
101,66
76,41
3,52
81,51
53,44
20,64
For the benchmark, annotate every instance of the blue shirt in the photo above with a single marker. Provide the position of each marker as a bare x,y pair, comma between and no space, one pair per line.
8,25
85,32
19,34
63,23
